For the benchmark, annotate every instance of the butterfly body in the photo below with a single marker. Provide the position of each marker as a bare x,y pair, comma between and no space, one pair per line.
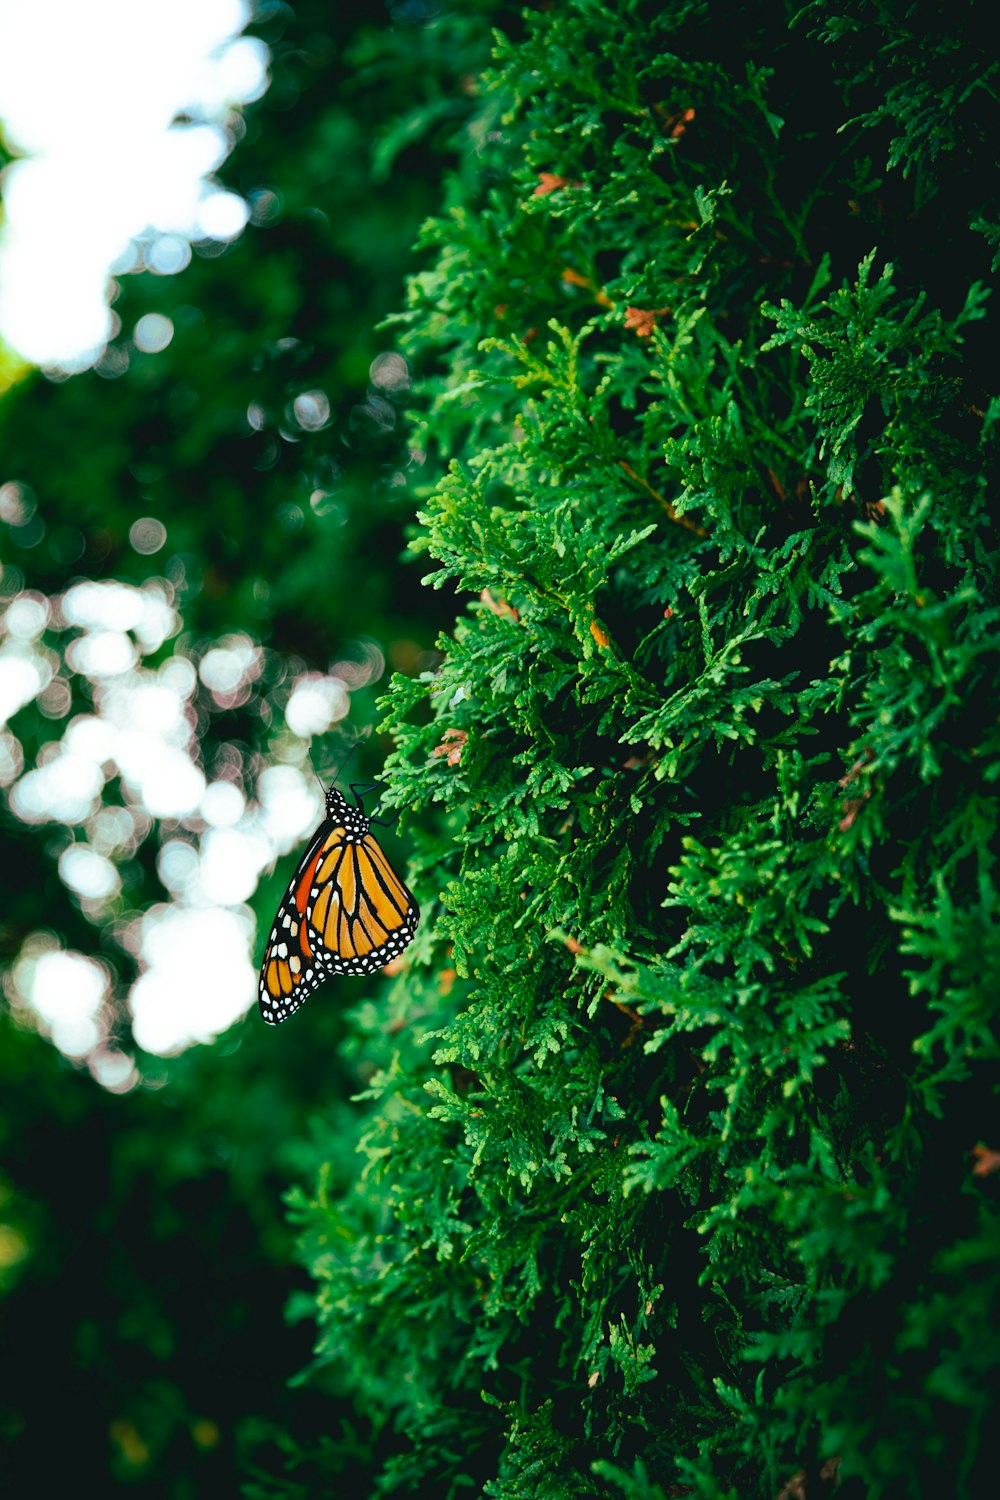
345,912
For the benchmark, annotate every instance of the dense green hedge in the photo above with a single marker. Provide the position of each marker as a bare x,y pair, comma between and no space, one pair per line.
669,1180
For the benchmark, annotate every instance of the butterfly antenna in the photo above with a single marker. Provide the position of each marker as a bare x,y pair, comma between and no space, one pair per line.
336,775
346,758
315,772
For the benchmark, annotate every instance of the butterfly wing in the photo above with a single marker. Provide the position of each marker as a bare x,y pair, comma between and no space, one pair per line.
345,912
359,913
292,969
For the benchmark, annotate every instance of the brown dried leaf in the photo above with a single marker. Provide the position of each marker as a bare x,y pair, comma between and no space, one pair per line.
850,809
575,278
550,182
451,745
644,319
498,606
987,1161
858,766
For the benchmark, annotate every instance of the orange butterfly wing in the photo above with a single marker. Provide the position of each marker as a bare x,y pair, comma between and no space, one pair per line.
359,913
290,970
345,912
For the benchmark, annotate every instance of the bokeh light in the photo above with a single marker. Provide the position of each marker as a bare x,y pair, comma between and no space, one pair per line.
147,535
311,410
67,992
390,373
112,743
152,333
112,182
125,768
316,703
198,976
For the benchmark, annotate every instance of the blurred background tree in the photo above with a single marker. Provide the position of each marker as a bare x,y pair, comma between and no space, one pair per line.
236,462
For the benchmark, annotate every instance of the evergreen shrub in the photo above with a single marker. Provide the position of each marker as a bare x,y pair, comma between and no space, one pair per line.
678,1145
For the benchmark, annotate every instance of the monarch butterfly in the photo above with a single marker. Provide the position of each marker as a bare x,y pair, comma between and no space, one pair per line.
345,912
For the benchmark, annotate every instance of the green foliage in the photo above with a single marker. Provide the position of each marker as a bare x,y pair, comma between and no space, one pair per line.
665,1178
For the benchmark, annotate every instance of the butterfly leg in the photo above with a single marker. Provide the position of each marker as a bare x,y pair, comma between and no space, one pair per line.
386,822
361,790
